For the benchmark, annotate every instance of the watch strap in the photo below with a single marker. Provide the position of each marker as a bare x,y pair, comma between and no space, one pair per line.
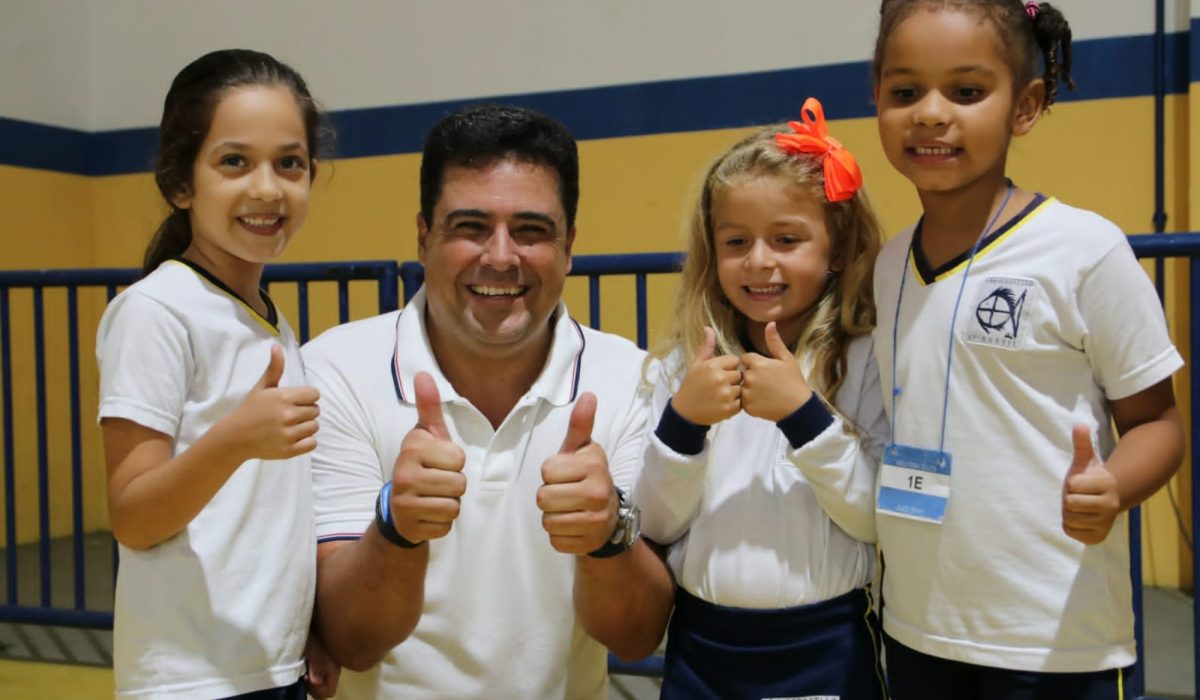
383,520
620,540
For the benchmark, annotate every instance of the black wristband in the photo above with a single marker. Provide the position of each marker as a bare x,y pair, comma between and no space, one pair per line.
383,520
610,549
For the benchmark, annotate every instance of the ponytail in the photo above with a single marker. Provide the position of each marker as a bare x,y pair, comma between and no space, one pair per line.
1053,36
173,236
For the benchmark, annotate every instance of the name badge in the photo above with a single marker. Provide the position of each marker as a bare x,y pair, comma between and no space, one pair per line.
914,483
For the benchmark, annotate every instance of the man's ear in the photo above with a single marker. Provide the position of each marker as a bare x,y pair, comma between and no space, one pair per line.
1030,103
570,242
422,234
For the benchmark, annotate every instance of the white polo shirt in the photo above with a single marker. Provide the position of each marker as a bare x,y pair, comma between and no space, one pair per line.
223,607
1056,320
499,620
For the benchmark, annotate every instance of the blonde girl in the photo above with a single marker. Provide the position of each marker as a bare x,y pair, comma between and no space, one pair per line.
759,477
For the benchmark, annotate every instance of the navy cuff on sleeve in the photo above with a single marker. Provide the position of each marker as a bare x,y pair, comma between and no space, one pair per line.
679,433
807,422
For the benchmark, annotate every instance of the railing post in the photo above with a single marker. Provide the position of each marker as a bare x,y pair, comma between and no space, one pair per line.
76,444
10,467
388,288
412,274
1194,335
594,301
43,459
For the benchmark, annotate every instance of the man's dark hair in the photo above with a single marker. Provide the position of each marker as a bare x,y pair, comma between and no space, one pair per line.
480,135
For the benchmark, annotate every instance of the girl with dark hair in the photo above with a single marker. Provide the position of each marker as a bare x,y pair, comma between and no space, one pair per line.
1013,332
203,404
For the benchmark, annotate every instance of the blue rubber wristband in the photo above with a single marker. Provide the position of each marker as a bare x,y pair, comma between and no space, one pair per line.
383,520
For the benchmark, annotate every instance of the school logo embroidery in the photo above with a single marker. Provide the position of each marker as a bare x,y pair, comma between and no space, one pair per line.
999,318
1000,312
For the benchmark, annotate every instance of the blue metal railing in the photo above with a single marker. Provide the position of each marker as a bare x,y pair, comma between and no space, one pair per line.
384,273
392,279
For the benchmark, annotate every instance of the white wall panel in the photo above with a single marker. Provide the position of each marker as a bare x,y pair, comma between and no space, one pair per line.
105,64
43,61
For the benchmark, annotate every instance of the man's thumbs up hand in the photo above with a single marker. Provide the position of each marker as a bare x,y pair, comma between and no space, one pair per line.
577,498
427,479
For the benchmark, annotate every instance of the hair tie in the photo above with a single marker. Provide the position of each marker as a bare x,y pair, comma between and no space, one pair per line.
842,175
1031,9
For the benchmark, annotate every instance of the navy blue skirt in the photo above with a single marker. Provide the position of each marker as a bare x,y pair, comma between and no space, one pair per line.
826,650
294,691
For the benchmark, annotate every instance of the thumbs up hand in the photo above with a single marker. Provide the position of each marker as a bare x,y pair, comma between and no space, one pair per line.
711,390
577,498
427,479
275,423
773,387
1091,501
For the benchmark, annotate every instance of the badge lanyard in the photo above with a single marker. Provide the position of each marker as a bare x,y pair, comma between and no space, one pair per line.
914,482
953,322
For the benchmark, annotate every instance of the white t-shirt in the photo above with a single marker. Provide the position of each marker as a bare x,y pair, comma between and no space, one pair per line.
498,620
1057,318
223,607
757,523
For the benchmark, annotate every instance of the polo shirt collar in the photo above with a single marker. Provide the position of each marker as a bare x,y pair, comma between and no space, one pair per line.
558,382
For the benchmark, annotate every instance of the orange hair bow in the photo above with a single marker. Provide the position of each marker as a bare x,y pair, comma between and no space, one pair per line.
842,176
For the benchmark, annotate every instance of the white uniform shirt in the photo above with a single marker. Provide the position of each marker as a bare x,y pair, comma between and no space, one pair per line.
1057,318
498,620
757,523
223,607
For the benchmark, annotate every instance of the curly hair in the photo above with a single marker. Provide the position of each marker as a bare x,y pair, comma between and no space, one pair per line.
844,311
1045,36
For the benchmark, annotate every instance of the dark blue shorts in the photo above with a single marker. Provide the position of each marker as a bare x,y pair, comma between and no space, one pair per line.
913,675
294,691
722,653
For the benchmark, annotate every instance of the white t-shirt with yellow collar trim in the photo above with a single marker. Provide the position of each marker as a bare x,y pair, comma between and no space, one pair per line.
223,607
1057,318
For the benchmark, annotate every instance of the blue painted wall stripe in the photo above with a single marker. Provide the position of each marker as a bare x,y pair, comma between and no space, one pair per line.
30,145
1104,68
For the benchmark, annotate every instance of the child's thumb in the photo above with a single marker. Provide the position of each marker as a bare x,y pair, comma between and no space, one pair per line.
708,347
274,372
1084,454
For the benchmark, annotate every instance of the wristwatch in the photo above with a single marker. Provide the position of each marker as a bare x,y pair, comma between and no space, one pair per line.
629,528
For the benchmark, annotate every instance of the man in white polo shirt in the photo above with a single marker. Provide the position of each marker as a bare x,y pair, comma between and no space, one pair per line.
474,540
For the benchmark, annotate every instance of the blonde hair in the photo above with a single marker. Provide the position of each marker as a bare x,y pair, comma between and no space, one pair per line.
845,310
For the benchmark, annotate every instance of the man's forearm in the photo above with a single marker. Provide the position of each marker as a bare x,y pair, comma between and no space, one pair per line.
624,602
369,597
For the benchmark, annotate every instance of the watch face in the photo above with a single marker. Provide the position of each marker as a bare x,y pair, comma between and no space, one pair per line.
631,520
